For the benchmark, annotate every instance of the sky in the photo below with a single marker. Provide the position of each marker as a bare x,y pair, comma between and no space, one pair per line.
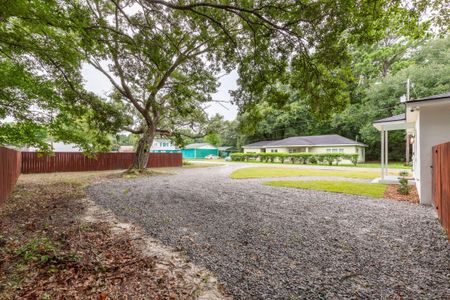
96,82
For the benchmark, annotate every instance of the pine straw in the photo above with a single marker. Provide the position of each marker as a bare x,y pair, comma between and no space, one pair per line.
391,192
47,252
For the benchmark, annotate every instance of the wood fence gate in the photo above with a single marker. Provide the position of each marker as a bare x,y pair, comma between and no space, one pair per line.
10,162
441,183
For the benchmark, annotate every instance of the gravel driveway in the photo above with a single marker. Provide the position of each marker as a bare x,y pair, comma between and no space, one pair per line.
278,243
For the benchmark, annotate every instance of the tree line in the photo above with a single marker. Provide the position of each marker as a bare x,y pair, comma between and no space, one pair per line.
380,73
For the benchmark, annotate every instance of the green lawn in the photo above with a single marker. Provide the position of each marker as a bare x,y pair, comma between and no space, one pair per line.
345,187
265,172
393,165
371,164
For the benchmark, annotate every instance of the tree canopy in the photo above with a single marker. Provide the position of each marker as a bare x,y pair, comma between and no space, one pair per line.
376,95
163,59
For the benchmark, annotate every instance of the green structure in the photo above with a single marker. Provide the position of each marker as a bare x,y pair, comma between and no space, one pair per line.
225,151
199,151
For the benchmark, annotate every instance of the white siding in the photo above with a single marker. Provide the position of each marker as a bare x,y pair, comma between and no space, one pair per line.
162,144
322,149
347,150
252,150
433,126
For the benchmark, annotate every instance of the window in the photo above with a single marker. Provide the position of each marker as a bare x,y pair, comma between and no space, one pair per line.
335,150
273,150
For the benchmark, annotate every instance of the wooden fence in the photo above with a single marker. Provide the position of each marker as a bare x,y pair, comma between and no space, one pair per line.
33,162
9,171
441,183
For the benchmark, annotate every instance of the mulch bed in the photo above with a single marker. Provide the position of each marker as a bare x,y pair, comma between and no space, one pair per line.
47,252
392,193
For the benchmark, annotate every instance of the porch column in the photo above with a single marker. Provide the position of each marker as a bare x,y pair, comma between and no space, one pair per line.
407,148
382,153
386,151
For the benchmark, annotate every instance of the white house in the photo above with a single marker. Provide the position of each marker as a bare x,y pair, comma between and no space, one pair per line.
57,147
163,145
126,148
427,122
331,143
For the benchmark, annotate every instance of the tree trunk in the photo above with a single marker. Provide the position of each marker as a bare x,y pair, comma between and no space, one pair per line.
143,151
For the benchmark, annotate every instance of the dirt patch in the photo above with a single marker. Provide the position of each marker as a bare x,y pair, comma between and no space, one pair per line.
50,249
202,283
391,192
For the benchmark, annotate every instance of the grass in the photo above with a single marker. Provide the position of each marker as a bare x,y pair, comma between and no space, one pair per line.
391,165
265,172
344,187
197,164
86,177
369,164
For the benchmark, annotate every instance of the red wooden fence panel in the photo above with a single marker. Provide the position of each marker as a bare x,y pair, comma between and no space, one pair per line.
441,183
33,162
161,160
9,171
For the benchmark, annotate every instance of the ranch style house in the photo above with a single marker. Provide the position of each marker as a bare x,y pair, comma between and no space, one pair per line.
331,143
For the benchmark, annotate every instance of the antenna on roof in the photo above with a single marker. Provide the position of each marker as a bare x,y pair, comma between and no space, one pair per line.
408,86
407,97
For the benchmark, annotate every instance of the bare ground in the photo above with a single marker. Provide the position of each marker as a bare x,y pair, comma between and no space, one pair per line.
55,244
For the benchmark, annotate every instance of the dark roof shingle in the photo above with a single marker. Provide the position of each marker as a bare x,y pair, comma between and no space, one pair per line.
314,140
258,144
434,97
400,117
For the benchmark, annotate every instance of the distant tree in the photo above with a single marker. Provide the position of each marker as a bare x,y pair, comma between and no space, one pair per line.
213,139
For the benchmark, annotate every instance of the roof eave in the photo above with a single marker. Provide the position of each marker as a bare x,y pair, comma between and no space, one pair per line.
315,145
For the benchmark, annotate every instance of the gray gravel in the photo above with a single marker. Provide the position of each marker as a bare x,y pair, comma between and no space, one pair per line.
279,243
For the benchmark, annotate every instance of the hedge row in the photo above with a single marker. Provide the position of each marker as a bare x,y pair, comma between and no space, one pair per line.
302,157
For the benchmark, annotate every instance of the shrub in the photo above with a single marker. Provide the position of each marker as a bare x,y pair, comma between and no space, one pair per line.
282,157
404,174
271,156
332,157
293,159
319,158
313,160
328,158
403,187
300,157
354,158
